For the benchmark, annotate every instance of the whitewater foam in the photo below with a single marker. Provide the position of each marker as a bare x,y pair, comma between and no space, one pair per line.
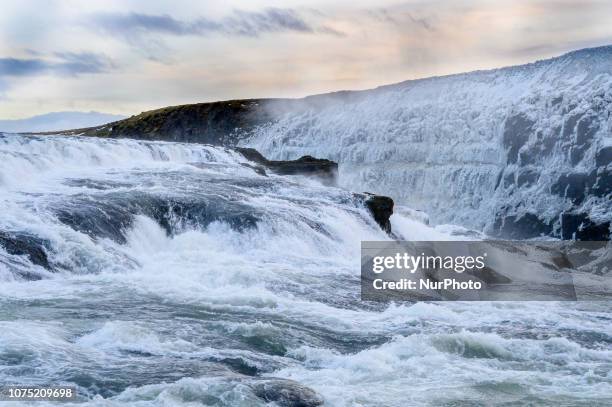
151,300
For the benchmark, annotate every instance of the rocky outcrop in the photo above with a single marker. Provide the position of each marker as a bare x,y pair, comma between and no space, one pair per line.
287,393
21,244
517,227
325,170
581,227
217,123
381,208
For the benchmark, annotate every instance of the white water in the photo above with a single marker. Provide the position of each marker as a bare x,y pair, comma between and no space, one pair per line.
199,311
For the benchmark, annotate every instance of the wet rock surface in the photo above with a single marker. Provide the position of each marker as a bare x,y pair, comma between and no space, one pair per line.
579,180
287,393
516,134
26,245
581,227
518,227
381,208
326,170
21,244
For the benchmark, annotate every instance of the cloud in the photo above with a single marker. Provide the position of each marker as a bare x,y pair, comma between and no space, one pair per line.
238,23
116,23
22,67
325,29
84,62
252,24
63,63
401,18
3,88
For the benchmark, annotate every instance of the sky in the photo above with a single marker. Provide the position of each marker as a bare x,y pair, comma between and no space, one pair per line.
128,56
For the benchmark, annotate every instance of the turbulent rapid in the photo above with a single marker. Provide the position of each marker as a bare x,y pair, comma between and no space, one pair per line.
155,273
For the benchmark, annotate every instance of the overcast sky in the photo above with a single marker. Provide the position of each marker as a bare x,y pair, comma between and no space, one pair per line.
124,57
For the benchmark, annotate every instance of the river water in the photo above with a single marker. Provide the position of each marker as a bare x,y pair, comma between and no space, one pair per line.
169,274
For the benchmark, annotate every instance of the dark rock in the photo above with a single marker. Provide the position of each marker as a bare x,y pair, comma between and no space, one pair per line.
257,168
179,213
287,393
517,130
508,180
21,244
574,186
527,177
520,227
239,365
603,182
253,155
326,170
538,148
577,154
580,227
381,208
99,219
586,129
603,157
570,125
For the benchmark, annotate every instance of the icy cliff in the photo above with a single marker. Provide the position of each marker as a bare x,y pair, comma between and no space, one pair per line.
519,152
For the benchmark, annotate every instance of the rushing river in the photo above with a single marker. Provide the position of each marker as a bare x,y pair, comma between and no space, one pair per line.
175,274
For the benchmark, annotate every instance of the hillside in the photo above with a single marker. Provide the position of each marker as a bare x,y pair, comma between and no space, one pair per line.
210,123
219,123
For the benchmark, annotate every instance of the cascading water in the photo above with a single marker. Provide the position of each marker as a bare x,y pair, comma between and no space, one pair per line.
509,151
151,273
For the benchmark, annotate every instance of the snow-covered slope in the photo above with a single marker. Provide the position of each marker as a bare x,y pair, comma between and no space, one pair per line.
519,152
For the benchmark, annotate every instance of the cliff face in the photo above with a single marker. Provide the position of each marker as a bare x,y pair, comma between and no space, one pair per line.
520,152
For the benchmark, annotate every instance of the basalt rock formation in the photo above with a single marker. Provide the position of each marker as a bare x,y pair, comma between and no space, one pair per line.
325,170
381,208
287,393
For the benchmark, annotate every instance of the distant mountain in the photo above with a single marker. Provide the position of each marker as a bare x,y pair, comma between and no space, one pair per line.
57,121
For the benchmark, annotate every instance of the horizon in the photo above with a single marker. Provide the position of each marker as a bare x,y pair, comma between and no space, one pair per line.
119,59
